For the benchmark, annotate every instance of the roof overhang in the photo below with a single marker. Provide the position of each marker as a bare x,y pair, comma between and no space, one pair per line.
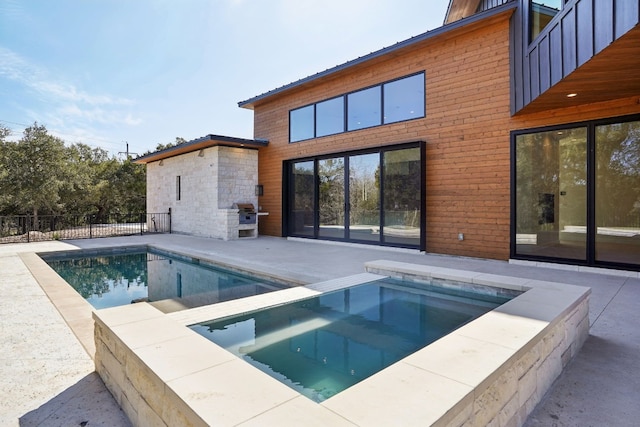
200,144
609,75
444,31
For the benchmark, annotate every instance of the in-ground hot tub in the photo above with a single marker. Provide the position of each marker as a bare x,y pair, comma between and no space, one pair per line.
494,369
322,345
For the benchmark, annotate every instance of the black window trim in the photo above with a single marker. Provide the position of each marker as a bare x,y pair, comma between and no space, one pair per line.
315,117
344,96
589,260
286,199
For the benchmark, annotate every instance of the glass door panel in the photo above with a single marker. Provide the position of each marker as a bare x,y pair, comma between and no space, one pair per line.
617,210
303,195
401,194
364,197
551,194
331,191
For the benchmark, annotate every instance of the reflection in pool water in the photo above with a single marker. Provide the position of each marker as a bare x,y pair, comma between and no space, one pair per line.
170,283
323,345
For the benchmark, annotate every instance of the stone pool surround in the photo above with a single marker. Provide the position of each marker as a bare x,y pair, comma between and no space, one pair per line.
492,371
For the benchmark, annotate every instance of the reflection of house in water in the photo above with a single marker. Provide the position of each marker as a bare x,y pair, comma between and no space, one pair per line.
175,284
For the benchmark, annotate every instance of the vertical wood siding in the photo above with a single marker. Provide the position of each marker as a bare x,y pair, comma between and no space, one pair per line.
580,31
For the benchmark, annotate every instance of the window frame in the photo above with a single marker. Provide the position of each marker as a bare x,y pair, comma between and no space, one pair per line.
530,13
591,259
345,97
385,96
288,228
344,112
313,124
350,100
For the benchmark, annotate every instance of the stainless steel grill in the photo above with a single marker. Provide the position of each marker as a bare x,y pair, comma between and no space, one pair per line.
246,213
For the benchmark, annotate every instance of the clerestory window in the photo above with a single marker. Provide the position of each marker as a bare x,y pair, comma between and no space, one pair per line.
393,101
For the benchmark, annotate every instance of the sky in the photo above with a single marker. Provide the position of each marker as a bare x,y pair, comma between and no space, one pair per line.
108,73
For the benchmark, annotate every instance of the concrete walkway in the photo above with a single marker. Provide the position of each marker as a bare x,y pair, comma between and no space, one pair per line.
47,379
46,376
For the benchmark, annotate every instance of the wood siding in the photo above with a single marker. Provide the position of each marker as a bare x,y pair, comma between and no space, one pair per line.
575,35
580,113
466,130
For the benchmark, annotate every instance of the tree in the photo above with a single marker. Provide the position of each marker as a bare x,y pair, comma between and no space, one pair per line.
39,174
178,141
129,186
5,199
34,170
102,185
85,178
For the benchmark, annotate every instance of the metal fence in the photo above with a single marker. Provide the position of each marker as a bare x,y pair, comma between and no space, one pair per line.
30,228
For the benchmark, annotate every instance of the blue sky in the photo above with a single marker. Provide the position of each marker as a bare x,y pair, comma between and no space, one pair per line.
107,72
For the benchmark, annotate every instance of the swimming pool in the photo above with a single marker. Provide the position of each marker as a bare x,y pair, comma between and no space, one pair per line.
168,281
323,345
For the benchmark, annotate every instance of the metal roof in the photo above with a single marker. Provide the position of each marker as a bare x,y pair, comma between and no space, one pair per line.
201,143
249,103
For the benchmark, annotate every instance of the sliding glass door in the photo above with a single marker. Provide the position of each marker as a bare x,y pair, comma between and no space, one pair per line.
551,193
617,193
331,198
402,198
576,194
301,215
364,197
341,197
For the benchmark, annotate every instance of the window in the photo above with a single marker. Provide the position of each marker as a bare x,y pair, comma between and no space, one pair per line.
389,102
302,189
401,177
551,193
301,123
404,99
541,12
576,195
330,117
374,196
178,187
364,108
617,193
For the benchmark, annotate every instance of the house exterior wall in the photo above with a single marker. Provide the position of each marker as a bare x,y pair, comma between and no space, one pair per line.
581,30
210,184
466,130
580,113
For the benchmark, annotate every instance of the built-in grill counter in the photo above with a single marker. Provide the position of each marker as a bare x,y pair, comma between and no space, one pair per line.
247,220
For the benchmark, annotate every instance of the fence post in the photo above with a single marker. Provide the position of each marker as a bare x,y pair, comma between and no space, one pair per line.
28,229
141,223
90,223
169,220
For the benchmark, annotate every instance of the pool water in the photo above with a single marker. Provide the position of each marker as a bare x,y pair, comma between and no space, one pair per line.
322,345
169,282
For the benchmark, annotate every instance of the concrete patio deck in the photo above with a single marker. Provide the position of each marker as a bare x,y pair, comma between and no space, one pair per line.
48,379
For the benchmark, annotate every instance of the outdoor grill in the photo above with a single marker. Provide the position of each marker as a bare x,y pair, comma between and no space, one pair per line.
246,213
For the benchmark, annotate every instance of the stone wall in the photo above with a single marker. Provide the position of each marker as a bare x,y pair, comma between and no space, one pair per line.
511,393
490,372
211,181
